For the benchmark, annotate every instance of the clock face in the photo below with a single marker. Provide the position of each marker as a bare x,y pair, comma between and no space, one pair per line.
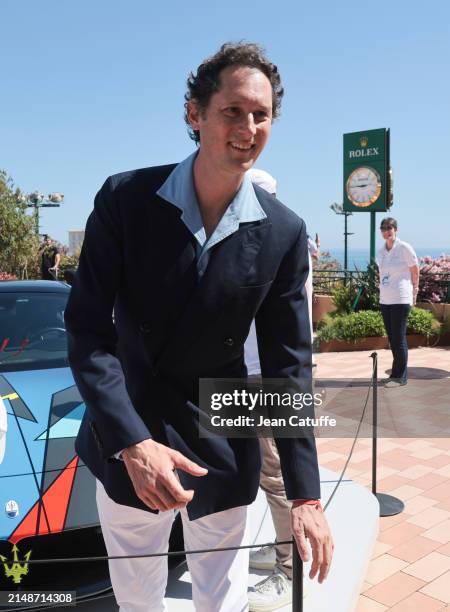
363,186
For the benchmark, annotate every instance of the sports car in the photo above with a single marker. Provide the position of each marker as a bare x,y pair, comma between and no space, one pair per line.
47,495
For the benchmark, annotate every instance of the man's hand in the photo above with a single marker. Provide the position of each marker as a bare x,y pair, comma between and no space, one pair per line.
151,466
309,522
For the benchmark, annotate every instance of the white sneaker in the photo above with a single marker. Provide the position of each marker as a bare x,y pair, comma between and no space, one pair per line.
271,593
263,558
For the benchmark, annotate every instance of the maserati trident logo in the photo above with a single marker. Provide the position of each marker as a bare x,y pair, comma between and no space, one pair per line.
12,508
15,570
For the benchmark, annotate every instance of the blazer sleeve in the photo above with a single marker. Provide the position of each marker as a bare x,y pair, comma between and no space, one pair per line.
92,337
284,342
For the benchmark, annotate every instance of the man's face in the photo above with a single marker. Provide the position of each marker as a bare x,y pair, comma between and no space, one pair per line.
235,126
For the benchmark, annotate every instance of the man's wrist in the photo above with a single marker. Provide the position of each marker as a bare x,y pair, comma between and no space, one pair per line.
307,502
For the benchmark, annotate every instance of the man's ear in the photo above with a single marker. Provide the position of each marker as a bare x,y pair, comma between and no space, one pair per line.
193,114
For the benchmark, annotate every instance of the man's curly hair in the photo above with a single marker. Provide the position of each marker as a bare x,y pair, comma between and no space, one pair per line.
206,81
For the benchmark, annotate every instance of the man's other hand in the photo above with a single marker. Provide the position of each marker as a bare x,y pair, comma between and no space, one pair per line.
151,466
309,522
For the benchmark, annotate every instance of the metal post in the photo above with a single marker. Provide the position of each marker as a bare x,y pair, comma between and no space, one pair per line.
372,236
36,219
297,579
345,242
36,200
389,505
374,422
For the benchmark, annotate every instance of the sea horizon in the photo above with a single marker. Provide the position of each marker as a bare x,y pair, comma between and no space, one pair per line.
359,258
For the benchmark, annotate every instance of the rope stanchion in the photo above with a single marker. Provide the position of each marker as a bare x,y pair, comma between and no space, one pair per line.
297,563
389,505
297,579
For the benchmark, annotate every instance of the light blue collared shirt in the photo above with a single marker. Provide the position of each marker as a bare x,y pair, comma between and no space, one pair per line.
179,190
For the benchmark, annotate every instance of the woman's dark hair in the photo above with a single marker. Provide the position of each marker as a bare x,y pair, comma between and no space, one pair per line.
388,221
206,81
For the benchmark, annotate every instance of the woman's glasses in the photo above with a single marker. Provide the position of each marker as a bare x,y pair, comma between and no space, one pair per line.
384,228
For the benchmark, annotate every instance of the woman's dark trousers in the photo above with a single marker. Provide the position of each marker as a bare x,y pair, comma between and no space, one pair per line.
395,317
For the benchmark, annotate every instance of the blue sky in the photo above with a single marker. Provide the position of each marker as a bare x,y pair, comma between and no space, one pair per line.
94,87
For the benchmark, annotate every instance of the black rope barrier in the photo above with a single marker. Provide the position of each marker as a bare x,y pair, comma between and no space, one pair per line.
389,505
297,563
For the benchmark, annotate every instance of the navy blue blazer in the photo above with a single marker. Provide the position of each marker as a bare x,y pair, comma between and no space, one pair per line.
139,374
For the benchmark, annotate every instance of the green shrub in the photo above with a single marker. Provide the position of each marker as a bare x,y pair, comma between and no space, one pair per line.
344,297
362,324
422,322
326,320
369,323
68,262
369,281
363,285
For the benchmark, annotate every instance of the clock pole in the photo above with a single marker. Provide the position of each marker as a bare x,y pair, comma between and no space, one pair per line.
372,236
367,180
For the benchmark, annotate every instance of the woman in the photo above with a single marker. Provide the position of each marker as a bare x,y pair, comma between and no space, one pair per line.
399,284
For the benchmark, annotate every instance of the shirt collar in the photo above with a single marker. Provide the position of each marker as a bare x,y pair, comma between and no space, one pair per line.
394,245
179,190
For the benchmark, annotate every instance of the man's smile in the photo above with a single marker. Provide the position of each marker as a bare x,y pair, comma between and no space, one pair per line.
242,147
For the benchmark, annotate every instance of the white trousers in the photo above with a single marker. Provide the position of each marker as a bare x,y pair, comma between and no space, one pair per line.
219,579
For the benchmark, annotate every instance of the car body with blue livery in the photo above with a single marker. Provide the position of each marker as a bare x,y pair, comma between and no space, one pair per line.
47,495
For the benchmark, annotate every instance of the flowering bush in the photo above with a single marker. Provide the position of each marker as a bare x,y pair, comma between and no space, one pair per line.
434,279
4,276
326,262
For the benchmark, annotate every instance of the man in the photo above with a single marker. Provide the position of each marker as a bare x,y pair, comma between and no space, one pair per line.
50,259
218,254
275,591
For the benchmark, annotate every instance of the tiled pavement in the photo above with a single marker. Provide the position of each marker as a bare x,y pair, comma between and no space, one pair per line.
410,568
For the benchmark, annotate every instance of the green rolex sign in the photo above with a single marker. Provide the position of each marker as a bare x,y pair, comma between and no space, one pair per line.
366,171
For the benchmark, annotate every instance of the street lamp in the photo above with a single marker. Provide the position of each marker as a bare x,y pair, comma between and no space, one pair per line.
339,210
36,200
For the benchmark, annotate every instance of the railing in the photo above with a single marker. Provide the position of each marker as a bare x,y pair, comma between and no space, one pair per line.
324,281
433,286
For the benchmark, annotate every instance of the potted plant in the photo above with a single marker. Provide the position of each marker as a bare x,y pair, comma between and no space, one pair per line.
364,330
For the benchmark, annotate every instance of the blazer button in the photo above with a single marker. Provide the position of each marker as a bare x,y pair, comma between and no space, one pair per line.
145,327
228,342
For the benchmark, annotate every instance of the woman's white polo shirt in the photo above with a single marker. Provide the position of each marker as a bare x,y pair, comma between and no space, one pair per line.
395,276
